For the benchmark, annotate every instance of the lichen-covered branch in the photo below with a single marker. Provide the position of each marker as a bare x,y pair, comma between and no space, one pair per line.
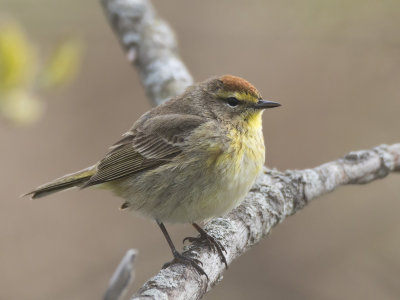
151,45
275,196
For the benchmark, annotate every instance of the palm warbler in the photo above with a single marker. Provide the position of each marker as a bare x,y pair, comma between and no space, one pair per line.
190,159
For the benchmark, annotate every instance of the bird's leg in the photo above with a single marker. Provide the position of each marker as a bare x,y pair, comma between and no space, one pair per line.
211,242
178,257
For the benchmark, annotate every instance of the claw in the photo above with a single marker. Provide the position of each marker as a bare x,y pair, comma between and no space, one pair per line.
190,239
180,258
211,242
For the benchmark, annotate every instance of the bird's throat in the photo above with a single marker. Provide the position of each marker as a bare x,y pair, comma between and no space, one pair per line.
254,120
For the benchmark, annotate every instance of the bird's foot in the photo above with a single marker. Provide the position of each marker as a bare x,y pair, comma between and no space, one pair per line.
180,258
211,242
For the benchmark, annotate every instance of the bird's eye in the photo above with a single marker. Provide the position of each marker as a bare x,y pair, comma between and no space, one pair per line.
232,101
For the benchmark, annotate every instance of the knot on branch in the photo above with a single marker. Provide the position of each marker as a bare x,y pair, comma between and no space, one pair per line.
379,161
387,160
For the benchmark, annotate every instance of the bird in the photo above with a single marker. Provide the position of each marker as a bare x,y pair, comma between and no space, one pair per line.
190,159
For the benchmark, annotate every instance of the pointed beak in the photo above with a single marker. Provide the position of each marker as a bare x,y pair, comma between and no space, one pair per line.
263,104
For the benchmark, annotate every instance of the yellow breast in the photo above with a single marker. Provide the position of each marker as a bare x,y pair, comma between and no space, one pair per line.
236,169
248,154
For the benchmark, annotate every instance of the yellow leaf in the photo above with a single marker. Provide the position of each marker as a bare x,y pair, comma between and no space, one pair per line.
17,58
63,64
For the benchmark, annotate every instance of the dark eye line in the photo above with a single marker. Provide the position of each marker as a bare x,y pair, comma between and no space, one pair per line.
232,101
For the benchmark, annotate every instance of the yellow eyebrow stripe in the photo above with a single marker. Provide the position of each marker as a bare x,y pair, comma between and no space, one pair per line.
237,95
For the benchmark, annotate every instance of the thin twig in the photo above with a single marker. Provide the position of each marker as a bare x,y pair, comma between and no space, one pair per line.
122,277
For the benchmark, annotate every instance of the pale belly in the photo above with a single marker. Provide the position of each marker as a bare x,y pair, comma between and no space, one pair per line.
233,188
186,192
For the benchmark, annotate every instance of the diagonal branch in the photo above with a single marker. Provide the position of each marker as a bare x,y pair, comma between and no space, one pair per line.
151,47
275,196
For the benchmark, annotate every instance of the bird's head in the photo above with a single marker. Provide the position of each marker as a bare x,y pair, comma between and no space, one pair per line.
233,99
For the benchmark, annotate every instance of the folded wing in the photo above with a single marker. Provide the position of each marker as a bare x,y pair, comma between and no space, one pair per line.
151,144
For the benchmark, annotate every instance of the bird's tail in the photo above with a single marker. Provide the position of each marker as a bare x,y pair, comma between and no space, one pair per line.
76,179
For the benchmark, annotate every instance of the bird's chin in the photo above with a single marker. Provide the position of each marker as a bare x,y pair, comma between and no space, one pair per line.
254,119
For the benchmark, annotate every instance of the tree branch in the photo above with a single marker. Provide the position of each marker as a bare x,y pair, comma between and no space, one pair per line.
122,277
275,196
151,46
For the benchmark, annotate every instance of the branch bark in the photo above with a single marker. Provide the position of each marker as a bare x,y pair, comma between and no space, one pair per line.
151,47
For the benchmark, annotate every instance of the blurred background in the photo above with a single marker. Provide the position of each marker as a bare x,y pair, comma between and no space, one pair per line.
333,64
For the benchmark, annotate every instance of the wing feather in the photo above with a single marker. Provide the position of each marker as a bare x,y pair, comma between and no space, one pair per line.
154,143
